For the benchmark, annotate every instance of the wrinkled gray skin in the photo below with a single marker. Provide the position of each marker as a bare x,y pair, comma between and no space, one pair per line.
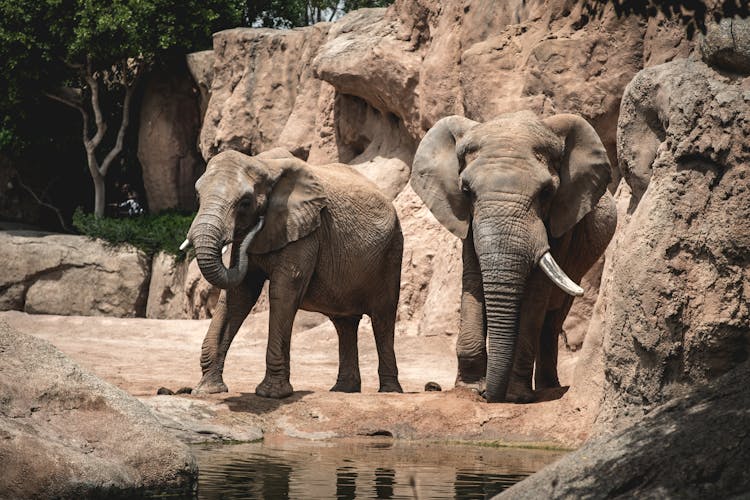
330,242
513,189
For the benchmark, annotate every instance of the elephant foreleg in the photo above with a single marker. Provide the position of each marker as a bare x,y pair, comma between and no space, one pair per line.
527,345
348,379
586,245
545,375
233,307
287,287
471,345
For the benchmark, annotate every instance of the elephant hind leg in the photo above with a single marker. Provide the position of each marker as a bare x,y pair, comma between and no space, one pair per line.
348,379
382,311
383,326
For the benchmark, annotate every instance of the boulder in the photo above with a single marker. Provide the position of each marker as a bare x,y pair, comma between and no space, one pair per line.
169,125
64,433
364,58
677,312
48,273
587,386
696,446
726,45
166,290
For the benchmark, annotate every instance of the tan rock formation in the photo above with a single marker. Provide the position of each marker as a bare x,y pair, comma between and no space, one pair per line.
696,446
678,313
257,78
201,67
726,45
430,273
63,274
64,433
388,75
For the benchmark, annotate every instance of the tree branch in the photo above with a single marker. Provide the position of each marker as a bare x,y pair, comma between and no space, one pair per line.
44,204
101,125
84,115
66,96
129,89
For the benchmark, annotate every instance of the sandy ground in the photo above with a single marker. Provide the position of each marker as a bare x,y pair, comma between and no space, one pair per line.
141,355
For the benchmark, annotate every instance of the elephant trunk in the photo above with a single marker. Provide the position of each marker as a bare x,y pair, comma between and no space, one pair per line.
503,292
208,237
506,258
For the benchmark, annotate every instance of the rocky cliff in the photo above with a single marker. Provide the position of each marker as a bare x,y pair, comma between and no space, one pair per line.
364,89
673,312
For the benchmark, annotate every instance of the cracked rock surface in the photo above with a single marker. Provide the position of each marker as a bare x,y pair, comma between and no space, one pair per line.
47,273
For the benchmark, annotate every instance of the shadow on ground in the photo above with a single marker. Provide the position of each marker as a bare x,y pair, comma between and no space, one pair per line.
251,403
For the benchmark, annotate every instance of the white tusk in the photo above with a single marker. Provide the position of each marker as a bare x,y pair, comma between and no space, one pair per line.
257,227
185,244
248,237
558,276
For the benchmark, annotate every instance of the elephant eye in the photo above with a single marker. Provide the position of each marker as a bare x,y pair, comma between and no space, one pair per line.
547,191
245,204
465,187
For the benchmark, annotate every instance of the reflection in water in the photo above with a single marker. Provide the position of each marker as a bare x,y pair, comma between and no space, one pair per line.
384,482
361,469
346,483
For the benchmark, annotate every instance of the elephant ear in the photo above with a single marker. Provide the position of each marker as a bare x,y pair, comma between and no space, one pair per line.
584,172
435,170
293,207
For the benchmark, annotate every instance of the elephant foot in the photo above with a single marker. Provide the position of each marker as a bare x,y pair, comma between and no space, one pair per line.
547,383
519,392
275,388
477,386
347,385
390,386
210,385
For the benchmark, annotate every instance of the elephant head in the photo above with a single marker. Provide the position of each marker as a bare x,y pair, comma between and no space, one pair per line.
510,184
265,202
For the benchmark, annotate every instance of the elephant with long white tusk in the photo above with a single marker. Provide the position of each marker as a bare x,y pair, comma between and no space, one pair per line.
529,199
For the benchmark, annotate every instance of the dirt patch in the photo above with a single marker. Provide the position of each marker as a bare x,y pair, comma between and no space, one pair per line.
142,355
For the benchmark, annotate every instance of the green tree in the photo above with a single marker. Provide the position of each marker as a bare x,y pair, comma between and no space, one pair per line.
292,13
89,54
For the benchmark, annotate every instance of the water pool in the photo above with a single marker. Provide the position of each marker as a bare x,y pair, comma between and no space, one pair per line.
372,468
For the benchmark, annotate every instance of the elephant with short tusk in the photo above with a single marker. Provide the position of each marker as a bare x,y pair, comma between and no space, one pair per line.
529,199
324,238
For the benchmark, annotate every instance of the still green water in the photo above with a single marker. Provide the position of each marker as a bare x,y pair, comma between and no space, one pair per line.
362,469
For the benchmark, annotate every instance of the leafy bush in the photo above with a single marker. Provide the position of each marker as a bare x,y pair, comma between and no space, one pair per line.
151,233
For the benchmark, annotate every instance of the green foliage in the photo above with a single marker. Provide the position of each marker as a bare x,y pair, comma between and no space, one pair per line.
151,233
45,44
